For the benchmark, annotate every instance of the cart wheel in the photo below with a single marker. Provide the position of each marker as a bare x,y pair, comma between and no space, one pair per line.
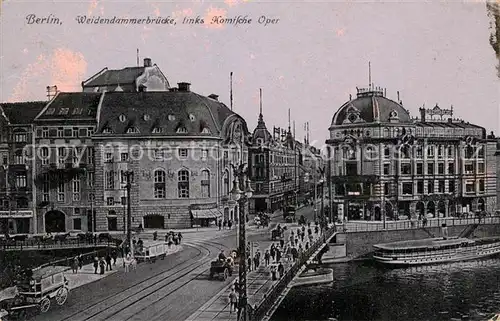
45,305
62,295
224,276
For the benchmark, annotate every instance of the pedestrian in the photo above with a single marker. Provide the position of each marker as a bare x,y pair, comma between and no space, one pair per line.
311,238
114,255
74,265
224,224
108,262
170,240
281,269
273,252
80,261
278,255
307,246
267,257
282,243
295,253
155,236
256,261
230,224
292,239
176,239
236,286
233,301
96,264
424,222
179,237
102,265
249,264
302,235
273,273
220,225
303,229
316,229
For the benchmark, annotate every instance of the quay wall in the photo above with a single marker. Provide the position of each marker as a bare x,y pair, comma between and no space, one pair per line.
360,244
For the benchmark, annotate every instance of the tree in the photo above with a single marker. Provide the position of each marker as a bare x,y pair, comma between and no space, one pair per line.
493,9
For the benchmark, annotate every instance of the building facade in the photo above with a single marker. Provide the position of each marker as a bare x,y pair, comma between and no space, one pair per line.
17,175
274,168
383,164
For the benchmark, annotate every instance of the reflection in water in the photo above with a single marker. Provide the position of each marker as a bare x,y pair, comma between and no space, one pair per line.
365,291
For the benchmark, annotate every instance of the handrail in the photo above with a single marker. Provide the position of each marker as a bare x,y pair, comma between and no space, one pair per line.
54,244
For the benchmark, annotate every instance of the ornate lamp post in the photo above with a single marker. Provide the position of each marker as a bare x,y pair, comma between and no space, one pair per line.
129,176
242,196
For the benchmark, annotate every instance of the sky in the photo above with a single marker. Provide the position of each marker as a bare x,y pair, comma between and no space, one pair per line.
309,62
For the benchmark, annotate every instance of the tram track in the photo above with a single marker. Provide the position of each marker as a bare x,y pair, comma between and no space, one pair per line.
146,282
110,307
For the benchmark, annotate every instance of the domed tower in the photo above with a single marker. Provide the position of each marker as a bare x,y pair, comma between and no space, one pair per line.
363,131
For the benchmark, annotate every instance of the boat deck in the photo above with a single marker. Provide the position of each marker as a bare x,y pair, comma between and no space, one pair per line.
422,244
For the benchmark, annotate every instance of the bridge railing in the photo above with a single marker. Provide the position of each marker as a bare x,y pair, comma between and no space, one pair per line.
53,244
86,258
360,226
259,311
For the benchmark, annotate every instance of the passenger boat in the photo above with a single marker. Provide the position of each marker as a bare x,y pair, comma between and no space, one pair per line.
435,250
318,276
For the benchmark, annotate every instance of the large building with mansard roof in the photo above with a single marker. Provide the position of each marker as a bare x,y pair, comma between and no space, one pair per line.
178,144
386,164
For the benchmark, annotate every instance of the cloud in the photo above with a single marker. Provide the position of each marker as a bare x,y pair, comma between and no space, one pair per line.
63,68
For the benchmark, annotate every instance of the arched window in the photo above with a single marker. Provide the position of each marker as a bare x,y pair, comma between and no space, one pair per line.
205,183
226,182
183,184
159,189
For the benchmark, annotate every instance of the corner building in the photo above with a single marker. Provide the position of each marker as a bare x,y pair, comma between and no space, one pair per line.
384,164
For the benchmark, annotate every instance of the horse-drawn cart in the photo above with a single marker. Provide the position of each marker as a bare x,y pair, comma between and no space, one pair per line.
223,268
34,291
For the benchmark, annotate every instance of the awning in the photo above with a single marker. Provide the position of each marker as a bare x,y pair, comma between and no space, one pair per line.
206,213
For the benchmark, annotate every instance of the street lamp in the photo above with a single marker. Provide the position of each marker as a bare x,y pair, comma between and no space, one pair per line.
129,176
242,196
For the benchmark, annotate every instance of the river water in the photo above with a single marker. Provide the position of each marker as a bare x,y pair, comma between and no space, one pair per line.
365,291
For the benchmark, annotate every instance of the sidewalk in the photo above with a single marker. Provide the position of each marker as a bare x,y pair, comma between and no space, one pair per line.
86,274
259,283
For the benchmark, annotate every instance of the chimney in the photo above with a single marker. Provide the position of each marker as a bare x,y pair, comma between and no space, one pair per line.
213,96
173,89
422,115
184,86
147,62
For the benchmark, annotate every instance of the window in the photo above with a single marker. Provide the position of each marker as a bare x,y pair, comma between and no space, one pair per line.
108,158
109,180
469,152
469,168
19,159
159,187
156,130
419,152
407,188
77,224
420,187
60,189
183,152
122,118
50,111
182,130
62,153
451,152
480,168
44,155
107,131
76,197
45,187
386,189
45,132
76,189
469,187
123,200
406,169
430,151
63,111
226,182
480,151
5,160
204,154
420,169
158,155
90,179
183,183
440,151
22,202
441,168
441,186
205,183
110,201
205,131
146,117
90,155
481,185
171,117
75,132
20,137
124,157
451,186
90,131
430,169
387,152
430,187
451,168
21,180
132,130
77,154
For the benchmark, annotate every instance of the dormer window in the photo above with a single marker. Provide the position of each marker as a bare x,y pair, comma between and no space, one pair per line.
146,117
63,111
156,130
171,117
77,111
50,111
132,130
205,131
107,131
122,118
191,117
181,130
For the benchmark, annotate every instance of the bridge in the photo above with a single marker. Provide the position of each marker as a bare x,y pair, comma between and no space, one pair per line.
49,245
